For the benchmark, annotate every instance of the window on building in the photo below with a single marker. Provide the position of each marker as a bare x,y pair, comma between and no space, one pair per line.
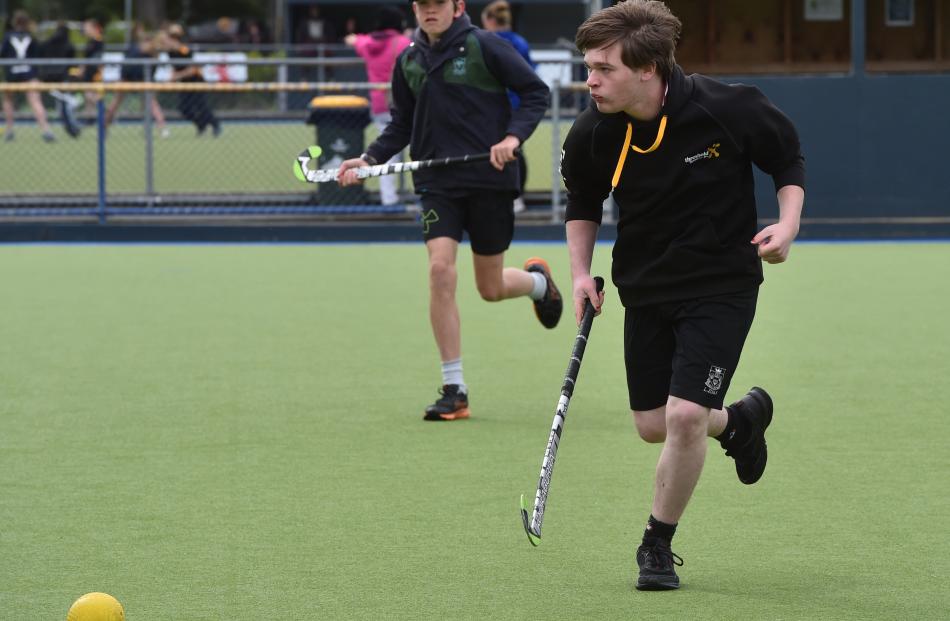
908,35
811,36
771,36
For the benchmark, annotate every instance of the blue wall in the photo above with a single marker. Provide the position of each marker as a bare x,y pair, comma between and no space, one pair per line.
874,146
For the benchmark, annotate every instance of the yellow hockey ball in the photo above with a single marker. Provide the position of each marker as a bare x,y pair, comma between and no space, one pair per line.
96,607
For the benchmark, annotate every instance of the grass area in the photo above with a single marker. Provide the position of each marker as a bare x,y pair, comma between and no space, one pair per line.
234,432
247,157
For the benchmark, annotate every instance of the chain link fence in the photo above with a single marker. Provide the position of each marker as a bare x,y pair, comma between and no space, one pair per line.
220,147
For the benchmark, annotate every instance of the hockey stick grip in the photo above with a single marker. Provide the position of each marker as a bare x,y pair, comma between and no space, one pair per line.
580,342
589,309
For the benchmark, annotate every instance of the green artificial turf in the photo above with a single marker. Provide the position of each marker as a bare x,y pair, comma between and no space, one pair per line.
235,433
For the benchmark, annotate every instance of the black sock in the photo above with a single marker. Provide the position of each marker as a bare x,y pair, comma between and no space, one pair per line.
658,530
736,432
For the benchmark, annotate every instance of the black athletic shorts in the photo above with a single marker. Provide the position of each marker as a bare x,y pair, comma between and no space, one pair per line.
22,76
487,216
688,349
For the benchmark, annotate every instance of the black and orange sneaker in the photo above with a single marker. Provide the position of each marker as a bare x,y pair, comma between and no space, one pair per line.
452,405
755,410
549,308
656,561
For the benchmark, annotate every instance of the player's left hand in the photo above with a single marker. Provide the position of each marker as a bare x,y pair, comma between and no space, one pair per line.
504,151
774,242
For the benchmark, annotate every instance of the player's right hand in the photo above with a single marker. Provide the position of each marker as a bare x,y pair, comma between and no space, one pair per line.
346,175
586,289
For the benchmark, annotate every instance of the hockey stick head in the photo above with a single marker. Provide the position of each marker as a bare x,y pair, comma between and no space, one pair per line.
526,508
302,163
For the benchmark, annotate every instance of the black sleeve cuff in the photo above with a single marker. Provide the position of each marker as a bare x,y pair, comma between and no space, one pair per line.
577,210
792,175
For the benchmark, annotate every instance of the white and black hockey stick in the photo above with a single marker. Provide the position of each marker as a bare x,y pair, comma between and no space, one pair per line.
532,521
303,171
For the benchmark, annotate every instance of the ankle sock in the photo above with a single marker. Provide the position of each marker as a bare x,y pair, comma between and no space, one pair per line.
452,374
736,432
658,530
540,286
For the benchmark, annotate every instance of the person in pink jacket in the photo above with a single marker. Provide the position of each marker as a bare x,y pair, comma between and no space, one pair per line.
379,49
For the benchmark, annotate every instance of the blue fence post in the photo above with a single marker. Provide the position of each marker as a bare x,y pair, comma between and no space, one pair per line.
101,136
147,98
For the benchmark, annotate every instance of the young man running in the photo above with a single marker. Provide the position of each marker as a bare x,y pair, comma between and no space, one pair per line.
449,90
677,152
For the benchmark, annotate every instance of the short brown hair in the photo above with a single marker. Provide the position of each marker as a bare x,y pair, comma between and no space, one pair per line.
646,30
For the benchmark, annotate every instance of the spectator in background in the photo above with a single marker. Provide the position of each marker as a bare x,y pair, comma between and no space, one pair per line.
92,29
379,49
315,29
250,32
496,17
140,46
225,31
19,43
59,46
311,34
193,105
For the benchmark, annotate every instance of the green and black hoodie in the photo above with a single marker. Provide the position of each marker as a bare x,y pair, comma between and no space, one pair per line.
451,99
687,207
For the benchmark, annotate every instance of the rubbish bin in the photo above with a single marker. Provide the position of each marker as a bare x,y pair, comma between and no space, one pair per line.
340,121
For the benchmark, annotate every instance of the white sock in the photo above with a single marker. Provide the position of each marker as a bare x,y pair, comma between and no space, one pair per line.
452,374
540,286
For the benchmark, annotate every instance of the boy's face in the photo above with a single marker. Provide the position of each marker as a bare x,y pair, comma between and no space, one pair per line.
613,85
435,16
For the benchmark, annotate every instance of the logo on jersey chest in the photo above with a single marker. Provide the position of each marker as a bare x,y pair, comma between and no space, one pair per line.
458,66
711,152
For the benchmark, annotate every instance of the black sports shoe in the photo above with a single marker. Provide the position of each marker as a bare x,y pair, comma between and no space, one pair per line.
549,308
452,405
755,410
656,561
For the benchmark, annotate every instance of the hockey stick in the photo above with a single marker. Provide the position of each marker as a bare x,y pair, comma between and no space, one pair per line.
304,173
532,523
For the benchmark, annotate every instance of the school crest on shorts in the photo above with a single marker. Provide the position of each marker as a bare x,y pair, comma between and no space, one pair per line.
714,381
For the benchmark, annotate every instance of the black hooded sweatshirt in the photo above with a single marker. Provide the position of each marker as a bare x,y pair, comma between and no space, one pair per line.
687,208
